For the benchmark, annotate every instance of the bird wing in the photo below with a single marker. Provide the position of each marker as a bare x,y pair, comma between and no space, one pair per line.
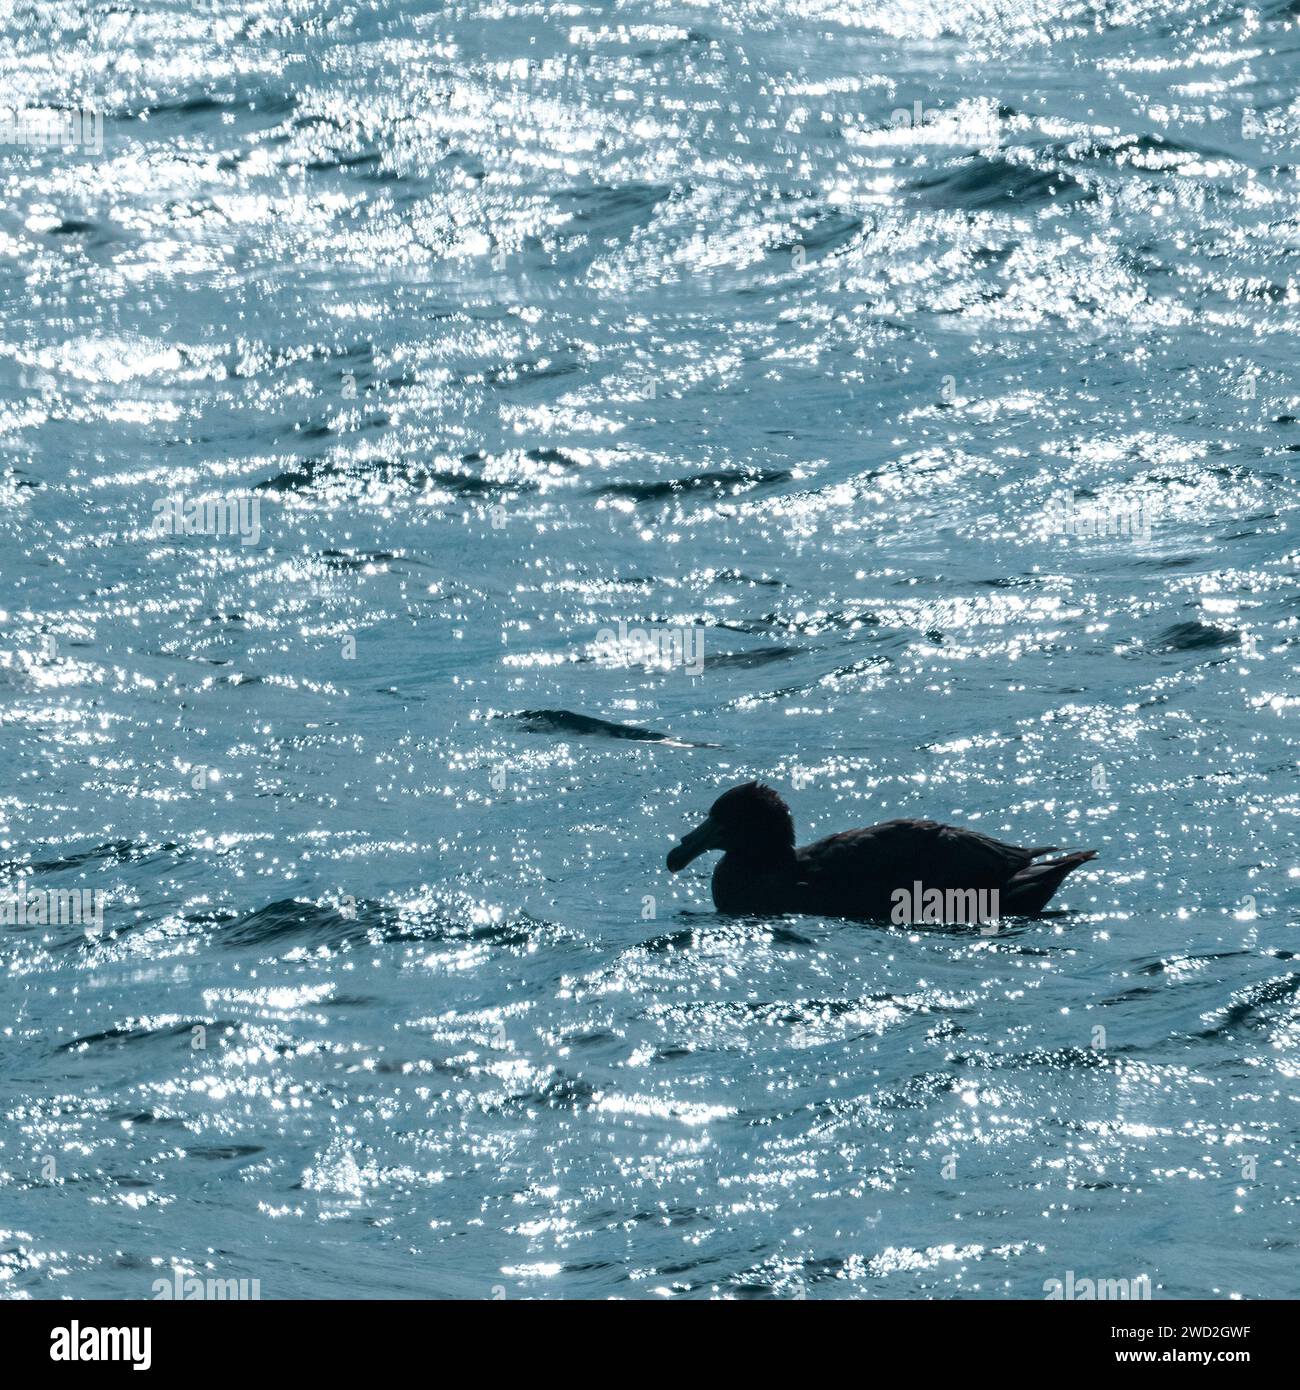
902,852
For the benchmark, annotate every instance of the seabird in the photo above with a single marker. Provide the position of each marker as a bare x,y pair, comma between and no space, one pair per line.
887,872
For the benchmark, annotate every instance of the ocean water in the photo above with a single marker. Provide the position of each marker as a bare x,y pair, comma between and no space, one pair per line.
929,370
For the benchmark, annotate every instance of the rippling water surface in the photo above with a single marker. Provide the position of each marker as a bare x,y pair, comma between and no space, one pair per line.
792,323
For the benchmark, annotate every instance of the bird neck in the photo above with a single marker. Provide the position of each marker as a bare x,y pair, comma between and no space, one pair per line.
762,858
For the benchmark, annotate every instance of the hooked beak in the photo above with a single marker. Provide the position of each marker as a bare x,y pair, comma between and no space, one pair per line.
705,836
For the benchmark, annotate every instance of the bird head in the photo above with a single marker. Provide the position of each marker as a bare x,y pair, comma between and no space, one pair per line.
747,820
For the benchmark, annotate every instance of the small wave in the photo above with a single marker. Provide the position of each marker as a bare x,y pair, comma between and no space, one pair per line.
125,1035
262,102
563,721
292,920
113,851
563,1093
983,182
761,656
1194,637
1067,1058
731,483
1250,1007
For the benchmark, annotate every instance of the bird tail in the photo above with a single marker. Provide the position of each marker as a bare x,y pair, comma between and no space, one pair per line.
1029,891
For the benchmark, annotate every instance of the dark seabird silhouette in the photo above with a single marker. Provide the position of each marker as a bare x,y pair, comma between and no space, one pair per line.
861,873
